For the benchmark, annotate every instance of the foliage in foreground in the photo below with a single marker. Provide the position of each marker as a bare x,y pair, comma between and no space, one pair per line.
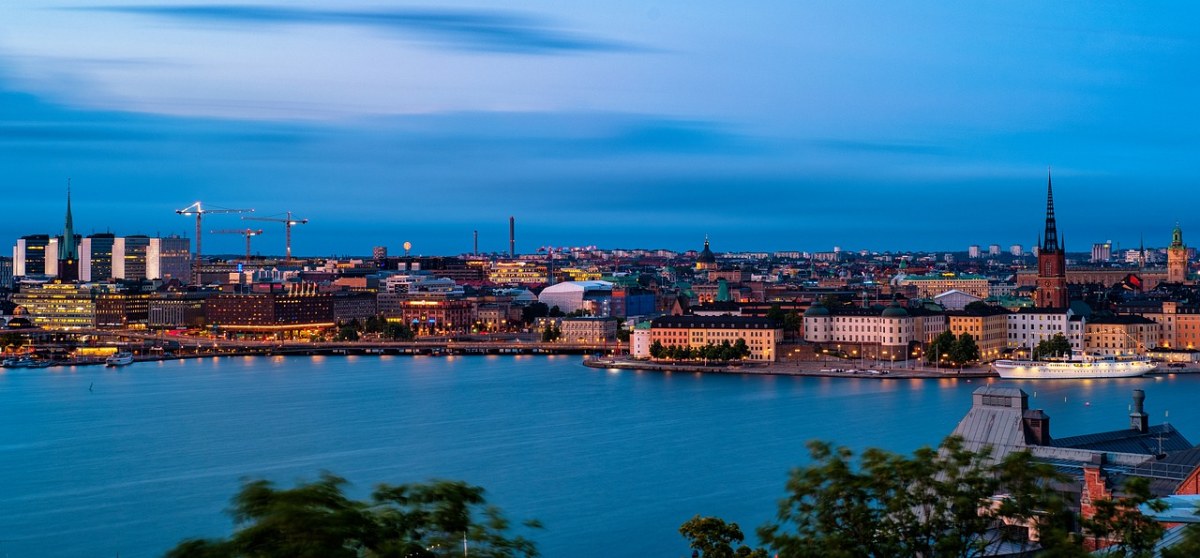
316,520
938,503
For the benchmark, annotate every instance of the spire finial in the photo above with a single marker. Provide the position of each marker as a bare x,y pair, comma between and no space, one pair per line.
1050,242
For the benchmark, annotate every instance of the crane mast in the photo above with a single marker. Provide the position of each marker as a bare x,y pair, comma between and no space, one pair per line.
287,227
248,233
200,211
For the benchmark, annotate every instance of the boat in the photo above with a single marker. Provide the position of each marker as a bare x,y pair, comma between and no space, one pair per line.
1077,367
120,359
18,362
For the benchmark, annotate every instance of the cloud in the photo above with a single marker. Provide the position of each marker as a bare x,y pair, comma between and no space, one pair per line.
490,31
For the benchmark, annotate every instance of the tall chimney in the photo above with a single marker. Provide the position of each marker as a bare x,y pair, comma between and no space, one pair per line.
512,237
1138,419
476,250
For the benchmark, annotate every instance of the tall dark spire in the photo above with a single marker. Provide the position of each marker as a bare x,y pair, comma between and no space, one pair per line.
67,249
1050,242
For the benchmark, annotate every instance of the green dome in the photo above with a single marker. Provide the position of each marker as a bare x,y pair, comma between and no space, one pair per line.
894,311
816,310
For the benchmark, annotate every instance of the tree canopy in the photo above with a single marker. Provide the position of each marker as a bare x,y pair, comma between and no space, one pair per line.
1056,346
317,520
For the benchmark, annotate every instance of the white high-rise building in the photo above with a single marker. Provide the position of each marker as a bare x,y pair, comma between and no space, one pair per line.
169,258
973,251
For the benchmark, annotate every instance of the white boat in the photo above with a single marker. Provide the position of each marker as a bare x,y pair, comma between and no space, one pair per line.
120,359
1076,368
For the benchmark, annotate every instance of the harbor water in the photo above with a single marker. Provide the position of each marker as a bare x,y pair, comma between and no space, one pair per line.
129,461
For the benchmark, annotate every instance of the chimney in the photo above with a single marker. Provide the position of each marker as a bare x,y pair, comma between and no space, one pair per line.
1138,419
476,250
1037,427
512,237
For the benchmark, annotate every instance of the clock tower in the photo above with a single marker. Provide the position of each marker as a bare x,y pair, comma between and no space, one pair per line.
1177,264
1052,261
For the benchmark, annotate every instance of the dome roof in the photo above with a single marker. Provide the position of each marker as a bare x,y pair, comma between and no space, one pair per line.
894,311
816,310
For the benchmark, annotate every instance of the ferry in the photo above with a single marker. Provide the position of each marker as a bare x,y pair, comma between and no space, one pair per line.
120,359
1087,366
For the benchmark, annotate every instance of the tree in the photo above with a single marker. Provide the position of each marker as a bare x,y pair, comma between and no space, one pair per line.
1058,345
775,314
347,333
555,312
551,333
1121,528
979,307
316,519
964,349
792,322
713,538
534,311
943,344
741,348
14,340
398,332
657,350
940,502
622,333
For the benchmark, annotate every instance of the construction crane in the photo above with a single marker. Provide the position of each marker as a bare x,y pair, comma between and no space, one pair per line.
199,211
248,233
287,227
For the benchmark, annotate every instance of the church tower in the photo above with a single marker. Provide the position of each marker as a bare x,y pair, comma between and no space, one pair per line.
1177,264
68,247
1052,261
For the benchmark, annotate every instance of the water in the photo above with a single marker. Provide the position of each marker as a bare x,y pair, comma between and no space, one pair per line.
611,462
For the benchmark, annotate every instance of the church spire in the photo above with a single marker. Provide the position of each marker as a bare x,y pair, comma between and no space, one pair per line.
1051,240
67,250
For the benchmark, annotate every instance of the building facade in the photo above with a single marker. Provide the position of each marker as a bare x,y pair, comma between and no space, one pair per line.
1177,260
762,336
169,258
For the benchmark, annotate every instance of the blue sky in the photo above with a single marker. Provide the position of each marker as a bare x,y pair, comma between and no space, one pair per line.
767,126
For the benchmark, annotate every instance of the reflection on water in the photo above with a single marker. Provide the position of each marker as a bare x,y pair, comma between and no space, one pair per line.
152,453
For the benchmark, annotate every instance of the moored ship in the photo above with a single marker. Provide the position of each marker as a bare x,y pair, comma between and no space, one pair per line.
1073,369
120,359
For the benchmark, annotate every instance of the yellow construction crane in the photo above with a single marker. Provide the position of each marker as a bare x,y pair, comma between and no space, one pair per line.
248,234
287,227
199,211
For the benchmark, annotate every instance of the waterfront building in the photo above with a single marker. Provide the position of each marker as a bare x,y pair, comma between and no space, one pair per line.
987,325
762,336
929,286
1029,326
593,297
57,305
95,257
176,311
29,255
283,315
588,330
1177,258
640,340
122,310
1052,264
431,316
1121,335
349,306
169,258
1179,322
874,332
129,257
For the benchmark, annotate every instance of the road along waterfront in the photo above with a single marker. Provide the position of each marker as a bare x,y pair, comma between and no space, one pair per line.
131,460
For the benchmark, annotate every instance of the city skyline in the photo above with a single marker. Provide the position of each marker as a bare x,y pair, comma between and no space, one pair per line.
624,125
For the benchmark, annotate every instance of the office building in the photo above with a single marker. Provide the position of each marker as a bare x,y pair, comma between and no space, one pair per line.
96,257
169,258
129,257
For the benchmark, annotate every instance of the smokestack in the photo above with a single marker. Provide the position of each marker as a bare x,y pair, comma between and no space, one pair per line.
476,250
1138,419
512,237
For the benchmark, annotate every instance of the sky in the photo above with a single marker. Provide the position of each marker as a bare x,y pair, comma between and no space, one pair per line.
766,126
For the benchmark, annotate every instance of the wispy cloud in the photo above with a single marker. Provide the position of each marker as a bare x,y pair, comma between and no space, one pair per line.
481,30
